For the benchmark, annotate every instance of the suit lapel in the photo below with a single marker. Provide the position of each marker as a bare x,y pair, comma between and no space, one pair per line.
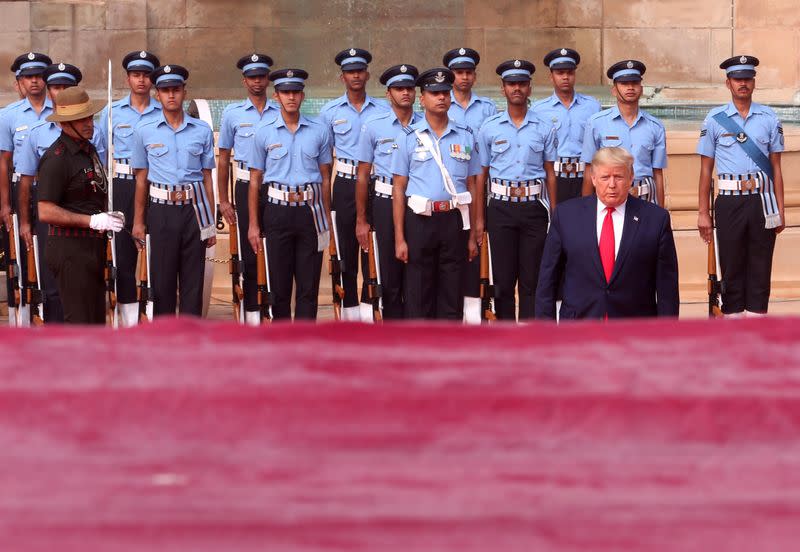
629,229
591,218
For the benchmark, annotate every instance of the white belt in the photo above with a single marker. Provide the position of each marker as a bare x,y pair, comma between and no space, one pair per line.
16,177
520,191
344,168
383,188
560,167
423,206
122,168
739,185
241,174
640,190
171,195
299,196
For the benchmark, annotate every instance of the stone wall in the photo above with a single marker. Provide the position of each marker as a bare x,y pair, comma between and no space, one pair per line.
681,41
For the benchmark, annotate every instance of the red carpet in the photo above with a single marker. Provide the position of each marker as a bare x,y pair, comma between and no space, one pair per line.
198,437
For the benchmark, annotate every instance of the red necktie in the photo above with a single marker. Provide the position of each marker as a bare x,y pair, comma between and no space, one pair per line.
607,244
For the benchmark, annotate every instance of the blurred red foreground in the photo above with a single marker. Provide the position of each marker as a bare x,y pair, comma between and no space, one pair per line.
190,436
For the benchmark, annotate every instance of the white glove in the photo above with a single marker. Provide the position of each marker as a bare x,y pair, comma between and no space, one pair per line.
103,222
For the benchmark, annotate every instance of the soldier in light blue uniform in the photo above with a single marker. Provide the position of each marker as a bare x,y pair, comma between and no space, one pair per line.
172,156
377,148
471,110
15,125
744,140
434,172
568,112
517,151
345,116
138,106
290,163
41,137
237,130
632,128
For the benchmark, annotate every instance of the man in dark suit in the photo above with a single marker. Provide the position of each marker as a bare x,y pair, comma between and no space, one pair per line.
616,251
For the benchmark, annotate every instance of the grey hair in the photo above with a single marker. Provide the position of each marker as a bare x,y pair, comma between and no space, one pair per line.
612,156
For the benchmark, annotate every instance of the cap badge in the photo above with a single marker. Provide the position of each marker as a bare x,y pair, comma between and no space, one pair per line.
31,56
290,73
403,69
352,51
254,57
61,66
630,65
462,51
439,77
743,59
142,54
167,69
517,63
563,51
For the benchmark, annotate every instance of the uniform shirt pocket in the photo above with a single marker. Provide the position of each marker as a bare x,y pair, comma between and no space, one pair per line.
341,126
499,147
421,155
726,140
611,142
644,153
19,139
245,132
536,154
122,132
191,155
310,160
276,152
157,150
386,146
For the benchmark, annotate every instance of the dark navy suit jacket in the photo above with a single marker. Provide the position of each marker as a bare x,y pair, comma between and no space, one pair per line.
645,277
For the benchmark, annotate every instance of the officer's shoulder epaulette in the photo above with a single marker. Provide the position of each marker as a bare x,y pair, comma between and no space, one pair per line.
485,99
380,103
464,127
600,114
330,104
652,118
378,116
144,123
588,98
767,110
232,106
39,124
409,130
540,101
494,117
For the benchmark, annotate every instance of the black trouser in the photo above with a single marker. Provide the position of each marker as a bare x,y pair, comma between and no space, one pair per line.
51,300
437,253
344,203
568,187
392,270
745,253
78,266
516,233
177,259
7,248
293,259
246,253
127,252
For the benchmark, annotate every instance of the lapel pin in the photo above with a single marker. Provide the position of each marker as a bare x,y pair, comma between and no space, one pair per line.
635,219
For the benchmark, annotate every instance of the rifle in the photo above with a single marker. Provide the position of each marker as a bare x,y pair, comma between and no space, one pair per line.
336,268
145,291
33,290
715,286
486,281
265,297
235,263
111,245
374,284
14,268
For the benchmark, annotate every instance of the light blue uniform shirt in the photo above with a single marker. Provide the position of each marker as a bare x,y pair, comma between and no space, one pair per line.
478,110
513,153
41,137
345,122
291,158
17,123
125,119
762,126
378,144
173,156
460,157
646,140
238,126
569,122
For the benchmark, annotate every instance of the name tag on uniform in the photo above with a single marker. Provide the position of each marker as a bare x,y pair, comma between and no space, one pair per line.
611,138
501,142
385,140
727,134
19,129
153,146
123,126
339,121
243,125
273,146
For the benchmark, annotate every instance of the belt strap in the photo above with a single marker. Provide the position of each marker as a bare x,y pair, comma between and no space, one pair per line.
240,173
383,188
123,169
347,169
569,167
744,185
177,196
516,191
299,196
182,194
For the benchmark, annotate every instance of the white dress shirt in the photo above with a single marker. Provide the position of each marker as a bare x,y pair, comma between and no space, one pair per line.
617,218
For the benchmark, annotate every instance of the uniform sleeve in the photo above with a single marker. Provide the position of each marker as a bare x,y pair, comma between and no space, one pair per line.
208,151
26,157
401,160
326,147
138,152
226,131
589,143
52,177
660,149
99,143
484,146
6,132
474,159
101,129
551,144
257,156
491,109
776,137
366,150
706,145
